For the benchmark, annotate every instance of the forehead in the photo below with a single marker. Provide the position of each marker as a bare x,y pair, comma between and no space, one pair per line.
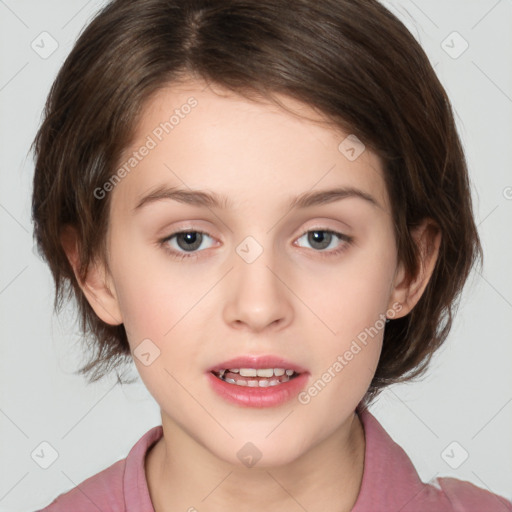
204,137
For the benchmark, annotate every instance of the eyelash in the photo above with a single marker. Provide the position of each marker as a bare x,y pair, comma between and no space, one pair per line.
323,253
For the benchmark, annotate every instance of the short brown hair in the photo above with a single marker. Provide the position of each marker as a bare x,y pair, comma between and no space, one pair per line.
351,60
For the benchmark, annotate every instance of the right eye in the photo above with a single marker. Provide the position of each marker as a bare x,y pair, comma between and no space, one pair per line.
180,243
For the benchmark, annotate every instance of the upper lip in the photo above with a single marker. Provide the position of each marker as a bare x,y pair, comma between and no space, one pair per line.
257,362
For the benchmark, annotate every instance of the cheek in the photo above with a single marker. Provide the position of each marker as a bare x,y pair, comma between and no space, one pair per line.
147,309
356,293
158,303
154,309
354,307
151,300
346,359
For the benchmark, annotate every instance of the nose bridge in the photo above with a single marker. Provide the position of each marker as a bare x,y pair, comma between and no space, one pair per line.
257,297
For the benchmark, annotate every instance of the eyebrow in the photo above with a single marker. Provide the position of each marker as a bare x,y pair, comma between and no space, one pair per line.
213,200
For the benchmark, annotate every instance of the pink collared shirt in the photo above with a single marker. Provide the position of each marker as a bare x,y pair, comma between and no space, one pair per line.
390,483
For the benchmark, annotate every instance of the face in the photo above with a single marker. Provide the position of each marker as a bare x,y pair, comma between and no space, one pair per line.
256,274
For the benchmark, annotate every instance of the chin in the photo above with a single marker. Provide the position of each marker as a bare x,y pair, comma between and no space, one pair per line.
258,451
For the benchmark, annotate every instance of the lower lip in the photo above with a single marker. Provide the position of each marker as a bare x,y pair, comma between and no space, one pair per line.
270,396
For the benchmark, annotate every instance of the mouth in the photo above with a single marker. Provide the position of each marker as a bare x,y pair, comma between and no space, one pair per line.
256,377
257,381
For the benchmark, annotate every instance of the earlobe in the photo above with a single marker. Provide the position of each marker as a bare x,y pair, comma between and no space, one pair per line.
97,286
101,295
408,291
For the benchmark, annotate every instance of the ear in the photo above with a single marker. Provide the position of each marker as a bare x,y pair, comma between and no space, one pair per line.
407,291
97,287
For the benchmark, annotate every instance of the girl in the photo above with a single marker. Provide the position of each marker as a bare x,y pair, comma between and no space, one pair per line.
266,206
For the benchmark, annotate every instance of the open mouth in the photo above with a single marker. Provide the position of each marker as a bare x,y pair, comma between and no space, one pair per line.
254,378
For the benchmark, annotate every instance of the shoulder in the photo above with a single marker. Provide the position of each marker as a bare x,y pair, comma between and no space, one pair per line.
466,497
390,482
122,487
103,491
453,495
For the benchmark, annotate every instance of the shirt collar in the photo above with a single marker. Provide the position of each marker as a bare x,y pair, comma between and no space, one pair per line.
390,481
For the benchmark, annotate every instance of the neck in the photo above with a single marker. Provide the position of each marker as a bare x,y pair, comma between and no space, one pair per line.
183,475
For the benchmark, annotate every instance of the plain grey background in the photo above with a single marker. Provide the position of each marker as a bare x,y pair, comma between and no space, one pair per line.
466,397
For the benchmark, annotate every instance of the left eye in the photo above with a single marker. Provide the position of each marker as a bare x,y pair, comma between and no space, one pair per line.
321,239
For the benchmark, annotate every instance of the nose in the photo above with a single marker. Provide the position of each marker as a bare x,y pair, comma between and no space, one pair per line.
257,295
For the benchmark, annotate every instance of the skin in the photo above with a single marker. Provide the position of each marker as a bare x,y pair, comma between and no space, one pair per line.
295,300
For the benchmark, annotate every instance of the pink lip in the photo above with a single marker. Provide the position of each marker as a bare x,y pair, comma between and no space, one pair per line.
258,397
255,396
257,362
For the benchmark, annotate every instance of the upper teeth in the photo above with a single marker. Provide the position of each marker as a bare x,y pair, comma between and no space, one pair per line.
260,372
